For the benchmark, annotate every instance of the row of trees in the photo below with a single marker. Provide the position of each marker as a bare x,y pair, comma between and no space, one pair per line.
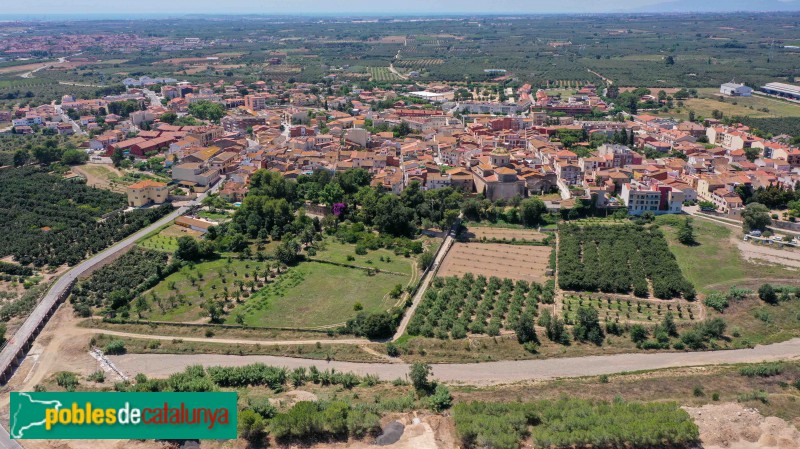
529,212
454,306
619,259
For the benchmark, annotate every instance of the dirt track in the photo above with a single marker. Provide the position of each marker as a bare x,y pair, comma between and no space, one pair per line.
491,373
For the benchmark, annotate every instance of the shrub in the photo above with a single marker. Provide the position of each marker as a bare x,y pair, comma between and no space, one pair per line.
392,350
717,301
67,380
115,347
98,376
762,370
441,399
767,294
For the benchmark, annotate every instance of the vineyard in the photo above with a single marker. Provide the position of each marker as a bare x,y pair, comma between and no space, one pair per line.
528,263
620,259
454,306
381,74
612,309
422,62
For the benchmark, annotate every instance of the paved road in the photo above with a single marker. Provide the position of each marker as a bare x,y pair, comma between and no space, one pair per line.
161,365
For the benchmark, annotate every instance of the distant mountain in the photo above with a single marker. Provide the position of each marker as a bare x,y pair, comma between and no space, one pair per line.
722,6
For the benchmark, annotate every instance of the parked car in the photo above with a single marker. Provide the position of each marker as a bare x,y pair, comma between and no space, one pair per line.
755,233
777,238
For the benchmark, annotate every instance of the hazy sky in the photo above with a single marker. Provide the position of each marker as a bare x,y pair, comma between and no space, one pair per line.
360,6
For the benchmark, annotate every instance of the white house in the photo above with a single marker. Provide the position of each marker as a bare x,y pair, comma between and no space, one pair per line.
735,90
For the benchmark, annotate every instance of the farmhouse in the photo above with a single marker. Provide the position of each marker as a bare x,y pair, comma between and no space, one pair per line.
193,224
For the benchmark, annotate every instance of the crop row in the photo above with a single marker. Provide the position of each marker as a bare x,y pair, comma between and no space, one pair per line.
454,306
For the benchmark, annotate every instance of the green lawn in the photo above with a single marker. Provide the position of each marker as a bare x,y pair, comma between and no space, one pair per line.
334,251
316,294
160,242
753,106
182,301
212,215
716,261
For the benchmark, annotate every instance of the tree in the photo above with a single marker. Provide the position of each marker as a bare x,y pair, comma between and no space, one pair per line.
669,60
287,252
669,326
21,157
207,110
117,157
188,248
531,211
686,232
426,259
587,326
252,426
755,217
74,157
752,153
639,334
169,117
525,330
767,294
419,377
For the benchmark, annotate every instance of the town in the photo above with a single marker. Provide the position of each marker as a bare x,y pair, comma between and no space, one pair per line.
462,231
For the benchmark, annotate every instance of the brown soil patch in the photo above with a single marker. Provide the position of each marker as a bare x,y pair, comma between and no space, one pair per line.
493,259
731,426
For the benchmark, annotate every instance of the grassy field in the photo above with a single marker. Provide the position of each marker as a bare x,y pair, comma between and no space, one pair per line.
715,263
753,106
751,321
316,294
382,259
167,238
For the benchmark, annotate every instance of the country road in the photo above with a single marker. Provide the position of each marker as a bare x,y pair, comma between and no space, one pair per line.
490,373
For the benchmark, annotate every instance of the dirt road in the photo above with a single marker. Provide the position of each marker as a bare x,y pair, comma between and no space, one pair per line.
492,373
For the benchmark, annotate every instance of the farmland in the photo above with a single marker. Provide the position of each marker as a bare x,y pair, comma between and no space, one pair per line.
454,306
528,263
756,106
383,74
618,309
619,259
507,235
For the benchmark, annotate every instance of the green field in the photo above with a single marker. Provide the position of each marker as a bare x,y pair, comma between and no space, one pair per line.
160,242
754,106
316,294
382,259
715,263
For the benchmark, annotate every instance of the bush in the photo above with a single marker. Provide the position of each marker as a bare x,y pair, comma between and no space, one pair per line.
441,399
98,376
115,347
251,426
762,370
716,301
67,380
392,350
767,294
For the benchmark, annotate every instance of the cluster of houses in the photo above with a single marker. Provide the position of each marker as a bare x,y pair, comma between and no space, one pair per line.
297,129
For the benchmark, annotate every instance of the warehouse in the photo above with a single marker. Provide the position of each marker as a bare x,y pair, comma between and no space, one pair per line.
782,90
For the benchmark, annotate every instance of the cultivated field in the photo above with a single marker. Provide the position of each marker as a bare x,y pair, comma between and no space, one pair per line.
509,234
623,310
383,74
755,106
527,263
